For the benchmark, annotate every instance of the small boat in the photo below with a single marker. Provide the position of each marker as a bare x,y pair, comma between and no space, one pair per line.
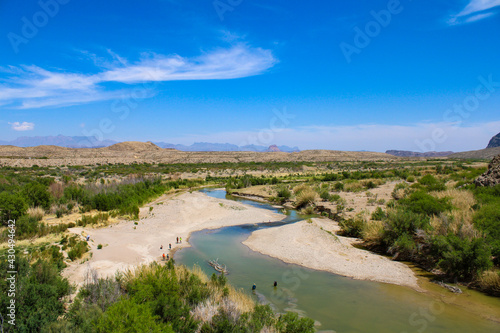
218,267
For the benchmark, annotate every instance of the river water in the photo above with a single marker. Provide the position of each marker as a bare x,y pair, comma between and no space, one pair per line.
336,303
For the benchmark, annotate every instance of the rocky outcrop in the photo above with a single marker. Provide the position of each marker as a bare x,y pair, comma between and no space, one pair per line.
492,176
494,142
273,149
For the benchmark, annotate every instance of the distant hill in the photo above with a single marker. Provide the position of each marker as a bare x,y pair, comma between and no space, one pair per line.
92,142
487,153
494,142
148,152
59,140
405,153
134,146
206,146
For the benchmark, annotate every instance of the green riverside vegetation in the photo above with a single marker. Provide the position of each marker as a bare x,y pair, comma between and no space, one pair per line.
436,218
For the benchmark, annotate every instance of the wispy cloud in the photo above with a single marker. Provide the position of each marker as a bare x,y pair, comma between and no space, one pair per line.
475,10
24,126
34,87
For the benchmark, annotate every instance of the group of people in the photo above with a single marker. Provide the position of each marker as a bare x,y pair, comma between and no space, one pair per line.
167,257
275,284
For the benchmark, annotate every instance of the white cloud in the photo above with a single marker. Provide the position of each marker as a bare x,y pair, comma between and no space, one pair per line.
372,137
24,126
475,10
35,87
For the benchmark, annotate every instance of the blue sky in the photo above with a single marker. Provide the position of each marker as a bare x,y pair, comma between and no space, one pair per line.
357,75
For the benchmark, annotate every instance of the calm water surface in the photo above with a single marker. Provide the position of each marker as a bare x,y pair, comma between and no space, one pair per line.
336,303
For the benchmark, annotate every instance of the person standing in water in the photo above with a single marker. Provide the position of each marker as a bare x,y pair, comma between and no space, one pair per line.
254,287
275,284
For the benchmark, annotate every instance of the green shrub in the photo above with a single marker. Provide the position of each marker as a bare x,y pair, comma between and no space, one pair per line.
487,219
324,194
60,212
334,198
404,246
37,195
39,290
422,203
353,227
27,227
78,248
378,214
462,259
99,246
370,185
128,316
339,186
431,183
291,323
284,192
400,227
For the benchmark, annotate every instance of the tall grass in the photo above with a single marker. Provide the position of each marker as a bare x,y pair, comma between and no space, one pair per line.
36,213
489,282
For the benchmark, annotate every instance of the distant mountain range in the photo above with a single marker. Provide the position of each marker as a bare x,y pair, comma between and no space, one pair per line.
92,142
206,146
405,153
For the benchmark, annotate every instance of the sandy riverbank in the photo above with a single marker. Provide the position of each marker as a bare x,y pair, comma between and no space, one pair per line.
126,245
315,246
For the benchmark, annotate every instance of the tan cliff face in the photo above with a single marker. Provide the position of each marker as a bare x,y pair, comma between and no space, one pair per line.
492,176
147,152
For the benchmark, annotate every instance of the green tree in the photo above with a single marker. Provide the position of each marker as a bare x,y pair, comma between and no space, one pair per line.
127,316
12,207
37,195
38,297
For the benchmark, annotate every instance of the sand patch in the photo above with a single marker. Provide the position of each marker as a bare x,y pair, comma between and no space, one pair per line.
315,245
128,243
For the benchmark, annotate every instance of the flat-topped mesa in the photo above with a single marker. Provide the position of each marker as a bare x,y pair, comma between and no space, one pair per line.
133,146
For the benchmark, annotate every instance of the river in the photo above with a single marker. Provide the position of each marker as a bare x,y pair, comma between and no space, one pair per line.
336,303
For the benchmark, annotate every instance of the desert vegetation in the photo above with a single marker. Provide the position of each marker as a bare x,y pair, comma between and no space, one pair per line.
434,216
428,212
